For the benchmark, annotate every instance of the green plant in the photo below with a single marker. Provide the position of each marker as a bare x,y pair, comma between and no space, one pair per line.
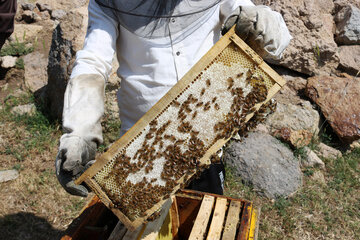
20,63
317,54
17,48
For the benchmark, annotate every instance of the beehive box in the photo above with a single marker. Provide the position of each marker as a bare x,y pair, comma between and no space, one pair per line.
189,215
180,135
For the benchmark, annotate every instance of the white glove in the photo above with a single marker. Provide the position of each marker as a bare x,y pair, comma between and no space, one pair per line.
261,28
74,157
83,108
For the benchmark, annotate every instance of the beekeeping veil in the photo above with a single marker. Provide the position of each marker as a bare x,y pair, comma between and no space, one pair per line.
159,18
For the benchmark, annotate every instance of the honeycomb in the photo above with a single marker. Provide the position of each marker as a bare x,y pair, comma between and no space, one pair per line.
167,152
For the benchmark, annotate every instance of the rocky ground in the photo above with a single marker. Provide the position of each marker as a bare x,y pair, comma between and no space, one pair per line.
301,165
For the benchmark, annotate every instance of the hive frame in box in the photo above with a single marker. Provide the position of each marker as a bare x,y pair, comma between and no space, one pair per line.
227,41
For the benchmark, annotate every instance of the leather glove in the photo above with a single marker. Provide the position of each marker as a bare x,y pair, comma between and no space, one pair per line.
83,108
261,28
74,157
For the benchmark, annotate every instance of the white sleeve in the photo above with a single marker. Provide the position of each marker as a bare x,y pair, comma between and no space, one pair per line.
85,92
99,45
228,6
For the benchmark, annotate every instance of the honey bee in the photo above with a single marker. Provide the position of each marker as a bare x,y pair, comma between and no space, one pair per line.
214,99
202,92
153,122
216,106
194,115
176,103
230,81
208,83
199,104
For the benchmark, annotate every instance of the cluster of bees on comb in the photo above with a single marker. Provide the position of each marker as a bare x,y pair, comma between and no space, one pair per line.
181,145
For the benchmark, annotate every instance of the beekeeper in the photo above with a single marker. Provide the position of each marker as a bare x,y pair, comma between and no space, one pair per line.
156,43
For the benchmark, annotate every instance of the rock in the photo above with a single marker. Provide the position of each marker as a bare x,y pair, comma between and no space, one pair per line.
4,87
312,49
326,151
44,7
348,25
261,128
28,16
318,176
355,144
45,15
295,83
296,138
311,159
8,175
8,61
337,98
28,109
350,59
58,14
266,163
24,32
67,39
301,116
28,6
35,71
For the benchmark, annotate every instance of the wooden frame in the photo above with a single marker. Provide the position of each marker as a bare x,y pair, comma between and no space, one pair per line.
120,144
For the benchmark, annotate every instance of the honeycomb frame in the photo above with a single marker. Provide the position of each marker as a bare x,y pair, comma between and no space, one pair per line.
223,53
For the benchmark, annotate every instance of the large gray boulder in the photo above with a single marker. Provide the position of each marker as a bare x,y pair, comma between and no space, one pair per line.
264,162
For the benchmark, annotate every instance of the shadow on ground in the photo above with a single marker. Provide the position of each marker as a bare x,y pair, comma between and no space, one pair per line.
25,226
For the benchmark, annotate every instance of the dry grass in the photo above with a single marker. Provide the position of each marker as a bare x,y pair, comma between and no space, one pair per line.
34,206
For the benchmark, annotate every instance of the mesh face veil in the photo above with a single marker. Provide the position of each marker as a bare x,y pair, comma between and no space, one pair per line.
159,18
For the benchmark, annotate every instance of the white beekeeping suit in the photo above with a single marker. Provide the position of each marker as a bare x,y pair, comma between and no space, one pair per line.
156,44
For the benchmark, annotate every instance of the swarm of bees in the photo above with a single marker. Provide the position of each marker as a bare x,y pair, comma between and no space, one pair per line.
180,145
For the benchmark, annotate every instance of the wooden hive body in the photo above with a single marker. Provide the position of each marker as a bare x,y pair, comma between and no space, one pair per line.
180,134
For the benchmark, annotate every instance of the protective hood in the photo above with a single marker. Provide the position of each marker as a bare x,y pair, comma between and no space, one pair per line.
158,18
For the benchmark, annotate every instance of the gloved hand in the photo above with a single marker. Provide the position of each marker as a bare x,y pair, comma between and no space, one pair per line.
74,157
261,28
83,108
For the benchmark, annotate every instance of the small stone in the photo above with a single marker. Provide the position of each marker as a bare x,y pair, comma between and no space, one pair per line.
28,16
8,61
318,176
312,160
28,6
58,14
44,7
326,151
300,138
35,71
8,175
45,15
5,87
24,109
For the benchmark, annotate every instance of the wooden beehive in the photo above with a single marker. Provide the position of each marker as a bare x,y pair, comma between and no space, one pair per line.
191,215
180,135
